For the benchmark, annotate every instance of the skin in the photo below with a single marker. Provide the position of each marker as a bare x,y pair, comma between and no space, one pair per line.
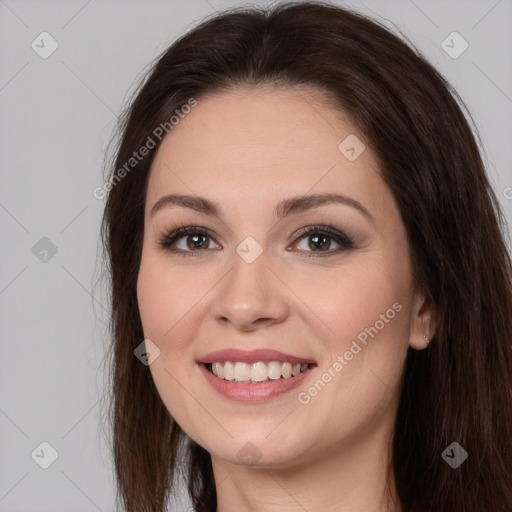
247,150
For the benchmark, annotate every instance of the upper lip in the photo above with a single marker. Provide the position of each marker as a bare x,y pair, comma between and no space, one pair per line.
252,356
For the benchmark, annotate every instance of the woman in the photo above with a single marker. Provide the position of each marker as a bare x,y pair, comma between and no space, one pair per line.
311,290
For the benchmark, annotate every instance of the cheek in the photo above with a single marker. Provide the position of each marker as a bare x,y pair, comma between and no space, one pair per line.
153,297
167,318
345,301
165,299
364,307
357,387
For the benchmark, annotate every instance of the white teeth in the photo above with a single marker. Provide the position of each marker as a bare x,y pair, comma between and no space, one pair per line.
242,371
218,370
286,370
229,370
257,372
274,370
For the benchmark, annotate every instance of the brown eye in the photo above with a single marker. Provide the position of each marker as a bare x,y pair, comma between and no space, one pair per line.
189,239
319,239
320,242
196,241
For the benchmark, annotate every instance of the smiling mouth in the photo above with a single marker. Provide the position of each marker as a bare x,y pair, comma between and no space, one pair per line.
257,373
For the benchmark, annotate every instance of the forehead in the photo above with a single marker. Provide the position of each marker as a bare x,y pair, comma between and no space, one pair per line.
262,144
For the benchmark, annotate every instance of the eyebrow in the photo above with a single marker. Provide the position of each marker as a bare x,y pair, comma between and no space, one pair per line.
290,206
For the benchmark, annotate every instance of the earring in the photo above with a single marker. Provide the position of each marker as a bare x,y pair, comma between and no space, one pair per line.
428,341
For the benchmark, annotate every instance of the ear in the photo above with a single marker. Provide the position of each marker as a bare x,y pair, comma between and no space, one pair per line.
423,320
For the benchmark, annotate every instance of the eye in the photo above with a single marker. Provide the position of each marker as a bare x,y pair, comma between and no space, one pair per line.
187,240
319,239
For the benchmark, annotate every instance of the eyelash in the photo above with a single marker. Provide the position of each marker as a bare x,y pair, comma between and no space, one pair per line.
344,241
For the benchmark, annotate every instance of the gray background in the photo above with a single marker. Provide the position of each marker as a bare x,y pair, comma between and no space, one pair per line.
57,115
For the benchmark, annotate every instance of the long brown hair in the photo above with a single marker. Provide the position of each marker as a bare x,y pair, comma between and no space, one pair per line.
458,389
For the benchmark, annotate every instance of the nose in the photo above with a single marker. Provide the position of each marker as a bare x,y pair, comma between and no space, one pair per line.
250,296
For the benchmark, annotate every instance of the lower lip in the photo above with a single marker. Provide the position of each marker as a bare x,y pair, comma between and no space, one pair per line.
242,392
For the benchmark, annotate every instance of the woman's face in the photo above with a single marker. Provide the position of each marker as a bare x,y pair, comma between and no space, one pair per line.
338,298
